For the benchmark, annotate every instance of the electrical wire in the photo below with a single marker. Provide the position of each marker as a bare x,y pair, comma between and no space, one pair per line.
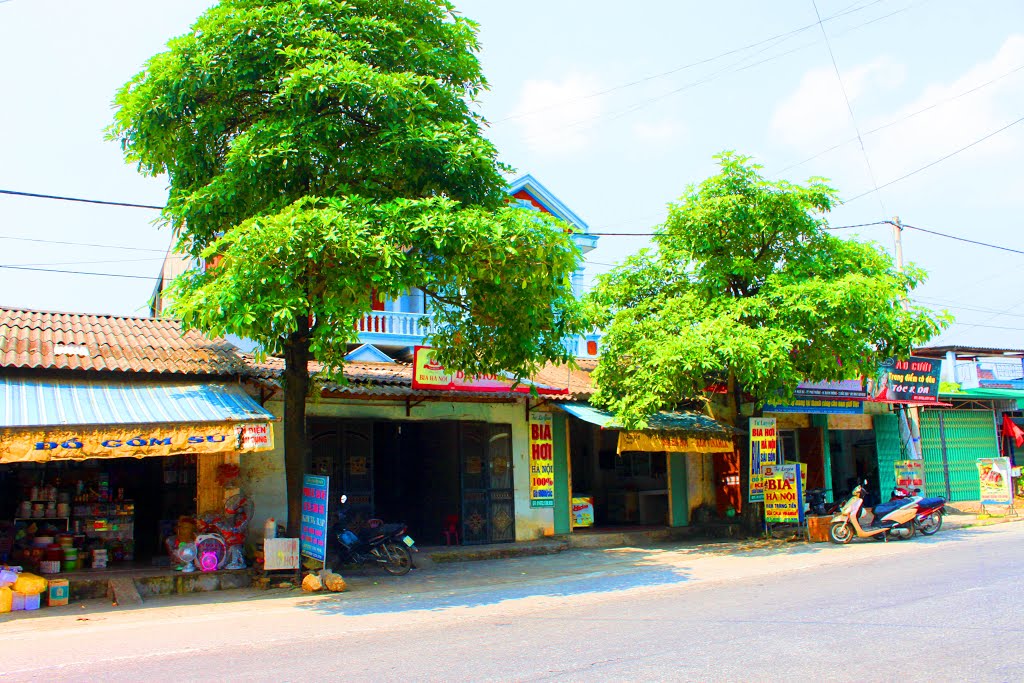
82,263
849,106
902,119
937,161
35,195
80,244
964,239
645,79
83,272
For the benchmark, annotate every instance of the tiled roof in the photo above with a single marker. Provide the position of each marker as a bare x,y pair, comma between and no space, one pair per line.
395,379
75,341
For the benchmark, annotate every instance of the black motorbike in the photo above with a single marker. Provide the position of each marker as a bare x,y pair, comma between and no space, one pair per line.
817,503
371,542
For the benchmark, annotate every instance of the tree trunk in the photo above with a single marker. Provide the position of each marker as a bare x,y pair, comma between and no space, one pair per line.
296,389
752,515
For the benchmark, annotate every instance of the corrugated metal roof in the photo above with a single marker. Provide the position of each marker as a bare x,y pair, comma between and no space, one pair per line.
674,421
49,403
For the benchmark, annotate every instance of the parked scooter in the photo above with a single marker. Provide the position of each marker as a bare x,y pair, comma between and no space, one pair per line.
374,542
897,518
929,510
817,503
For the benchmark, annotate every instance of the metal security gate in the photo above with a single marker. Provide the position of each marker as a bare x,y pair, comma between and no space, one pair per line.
952,441
343,450
488,507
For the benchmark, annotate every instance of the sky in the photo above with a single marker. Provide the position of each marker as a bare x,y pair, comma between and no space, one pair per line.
912,108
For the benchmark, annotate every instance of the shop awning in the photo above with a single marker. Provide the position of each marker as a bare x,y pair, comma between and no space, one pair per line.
988,394
674,431
44,419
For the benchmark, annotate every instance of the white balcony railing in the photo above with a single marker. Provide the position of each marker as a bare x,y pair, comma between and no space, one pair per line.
397,324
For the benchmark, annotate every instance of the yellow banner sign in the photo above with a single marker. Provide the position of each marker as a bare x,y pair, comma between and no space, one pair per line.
542,461
43,445
673,442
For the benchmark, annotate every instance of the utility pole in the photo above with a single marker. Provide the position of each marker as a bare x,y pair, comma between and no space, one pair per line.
897,236
912,415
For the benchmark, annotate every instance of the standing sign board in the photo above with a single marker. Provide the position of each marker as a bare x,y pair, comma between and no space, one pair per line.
313,529
764,450
910,474
783,494
996,484
542,461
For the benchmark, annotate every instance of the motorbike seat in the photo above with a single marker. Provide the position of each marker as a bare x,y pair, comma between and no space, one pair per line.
934,501
882,509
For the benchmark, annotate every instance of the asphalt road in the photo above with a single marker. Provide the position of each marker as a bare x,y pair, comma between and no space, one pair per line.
941,609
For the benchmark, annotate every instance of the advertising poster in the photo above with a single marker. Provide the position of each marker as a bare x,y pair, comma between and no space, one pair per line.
430,374
313,528
783,494
542,461
910,474
915,380
996,484
763,451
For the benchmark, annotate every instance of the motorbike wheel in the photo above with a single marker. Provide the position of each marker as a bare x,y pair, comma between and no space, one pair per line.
841,533
930,525
905,533
399,559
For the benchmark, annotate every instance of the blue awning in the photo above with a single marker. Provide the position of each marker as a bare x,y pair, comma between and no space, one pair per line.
31,402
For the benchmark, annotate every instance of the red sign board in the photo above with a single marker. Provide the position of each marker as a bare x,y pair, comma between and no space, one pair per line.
429,374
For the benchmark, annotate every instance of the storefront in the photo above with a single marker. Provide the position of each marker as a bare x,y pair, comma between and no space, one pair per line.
97,472
652,477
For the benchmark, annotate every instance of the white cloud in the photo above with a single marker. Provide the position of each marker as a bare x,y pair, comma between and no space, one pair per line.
658,134
817,112
556,117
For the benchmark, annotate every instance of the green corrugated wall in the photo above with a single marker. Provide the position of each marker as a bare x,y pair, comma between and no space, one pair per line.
562,509
969,435
889,448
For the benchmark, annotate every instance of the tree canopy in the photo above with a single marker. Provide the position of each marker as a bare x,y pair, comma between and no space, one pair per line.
323,152
745,282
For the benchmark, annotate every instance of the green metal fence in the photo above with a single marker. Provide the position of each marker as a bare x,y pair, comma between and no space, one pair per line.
889,449
952,441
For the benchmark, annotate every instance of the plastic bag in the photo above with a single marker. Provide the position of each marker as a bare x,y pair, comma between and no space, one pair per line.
29,583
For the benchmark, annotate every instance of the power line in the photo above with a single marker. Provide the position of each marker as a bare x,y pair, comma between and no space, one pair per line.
80,244
903,118
82,272
80,263
35,195
964,239
937,161
849,107
933,303
645,79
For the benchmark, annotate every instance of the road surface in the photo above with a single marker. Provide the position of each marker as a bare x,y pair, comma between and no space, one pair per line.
946,608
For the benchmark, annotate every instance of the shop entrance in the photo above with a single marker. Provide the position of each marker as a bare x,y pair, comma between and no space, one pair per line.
854,459
435,476
125,506
630,489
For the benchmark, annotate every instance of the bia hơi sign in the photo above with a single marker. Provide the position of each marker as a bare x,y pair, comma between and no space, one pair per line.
764,450
542,461
996,483
783,494
915,380
313,527
429,374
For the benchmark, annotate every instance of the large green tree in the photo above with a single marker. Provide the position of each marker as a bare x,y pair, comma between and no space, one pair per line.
746,287
322,152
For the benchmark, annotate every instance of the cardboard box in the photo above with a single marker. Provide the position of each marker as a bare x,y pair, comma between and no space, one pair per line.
59,592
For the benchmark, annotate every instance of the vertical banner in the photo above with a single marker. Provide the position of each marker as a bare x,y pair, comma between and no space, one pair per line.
783,494
910,474
996,484
313,528
542,461
764,450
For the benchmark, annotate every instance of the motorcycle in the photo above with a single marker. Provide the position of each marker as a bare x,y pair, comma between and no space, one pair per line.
897,518
817,503
929,510
375,542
